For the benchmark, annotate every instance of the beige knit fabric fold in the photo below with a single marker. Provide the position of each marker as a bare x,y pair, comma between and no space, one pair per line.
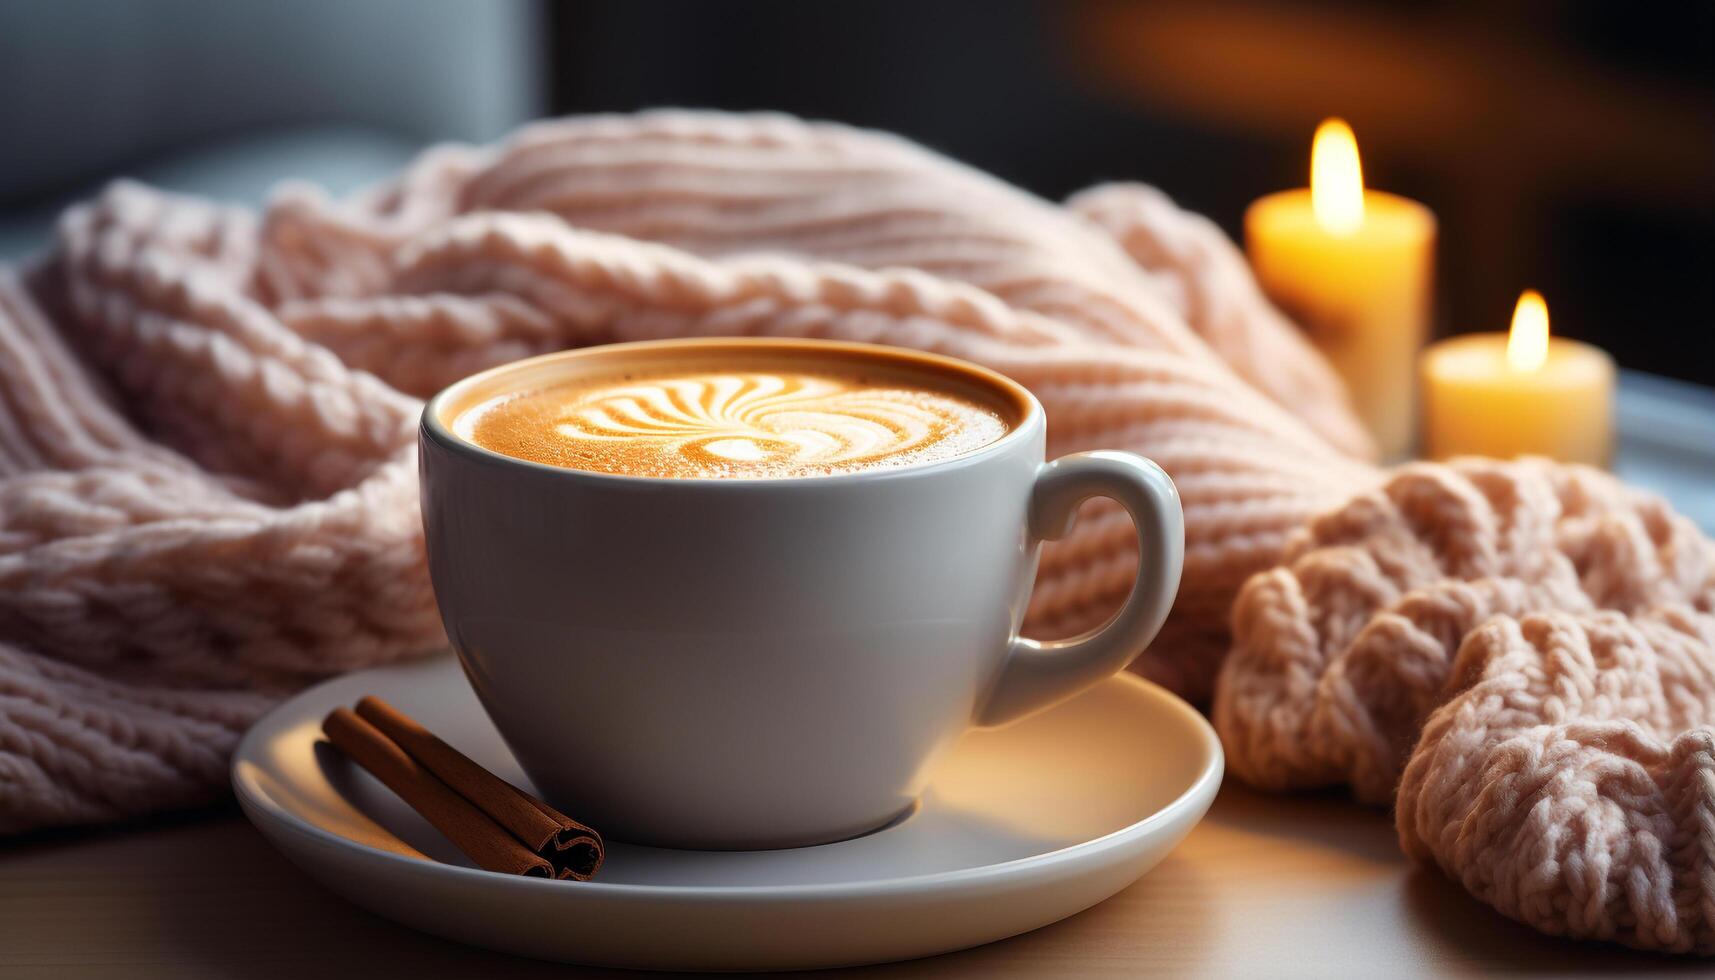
1521,657
207,482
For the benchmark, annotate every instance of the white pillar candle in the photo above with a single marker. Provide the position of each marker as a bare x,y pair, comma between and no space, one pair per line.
1354,267
1519,393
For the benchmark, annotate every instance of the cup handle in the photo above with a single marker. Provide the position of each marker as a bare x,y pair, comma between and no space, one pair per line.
1039,673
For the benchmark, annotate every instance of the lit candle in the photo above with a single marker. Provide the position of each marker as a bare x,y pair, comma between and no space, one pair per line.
1522,392
1353,267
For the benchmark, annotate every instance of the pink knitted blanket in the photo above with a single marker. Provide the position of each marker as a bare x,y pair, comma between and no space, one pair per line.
207,484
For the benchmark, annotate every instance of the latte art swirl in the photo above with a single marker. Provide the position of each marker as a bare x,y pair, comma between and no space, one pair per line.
739,423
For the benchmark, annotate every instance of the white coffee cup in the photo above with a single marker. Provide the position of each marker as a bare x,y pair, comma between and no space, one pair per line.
719,663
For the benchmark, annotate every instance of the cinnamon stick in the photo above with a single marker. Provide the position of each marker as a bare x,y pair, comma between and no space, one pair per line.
575,851
469,828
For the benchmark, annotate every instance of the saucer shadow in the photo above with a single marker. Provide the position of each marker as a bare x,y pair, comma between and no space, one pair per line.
932,836
937,835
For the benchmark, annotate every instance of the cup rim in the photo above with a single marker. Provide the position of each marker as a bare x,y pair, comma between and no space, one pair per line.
1030,420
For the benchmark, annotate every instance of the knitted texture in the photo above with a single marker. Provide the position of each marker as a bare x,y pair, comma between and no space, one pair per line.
207,479
1525,654
207,474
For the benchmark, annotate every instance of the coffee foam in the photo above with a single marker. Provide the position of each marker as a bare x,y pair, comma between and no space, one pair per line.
735,420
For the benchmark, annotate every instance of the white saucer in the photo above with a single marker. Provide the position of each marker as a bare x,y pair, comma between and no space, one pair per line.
1023,826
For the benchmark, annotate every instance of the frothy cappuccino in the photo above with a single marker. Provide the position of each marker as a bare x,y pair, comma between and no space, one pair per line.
737,417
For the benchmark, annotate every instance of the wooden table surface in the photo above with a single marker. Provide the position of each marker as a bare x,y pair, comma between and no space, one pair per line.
1265,886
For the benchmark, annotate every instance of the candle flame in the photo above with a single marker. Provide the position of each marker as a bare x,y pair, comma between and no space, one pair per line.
1527,342
1336,179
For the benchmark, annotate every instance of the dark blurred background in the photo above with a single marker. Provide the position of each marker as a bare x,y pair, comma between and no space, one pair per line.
1568,146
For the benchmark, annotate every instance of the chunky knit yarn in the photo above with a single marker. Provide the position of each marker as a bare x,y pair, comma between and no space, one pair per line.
207,482
1520,656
